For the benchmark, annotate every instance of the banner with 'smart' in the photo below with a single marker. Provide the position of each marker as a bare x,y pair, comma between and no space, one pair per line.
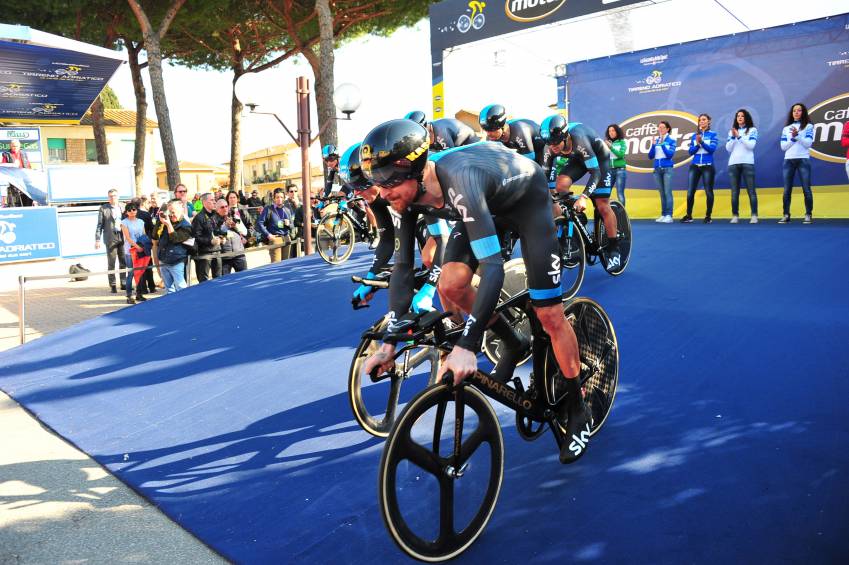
764,71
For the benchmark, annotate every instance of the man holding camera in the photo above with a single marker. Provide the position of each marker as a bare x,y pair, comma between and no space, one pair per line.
234,239
209,230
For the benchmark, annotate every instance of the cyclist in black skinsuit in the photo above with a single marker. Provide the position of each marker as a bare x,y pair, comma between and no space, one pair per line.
481,186
444,133
586,153
521,135
331,163
351,174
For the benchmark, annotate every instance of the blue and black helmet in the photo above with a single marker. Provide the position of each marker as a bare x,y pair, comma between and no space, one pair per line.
350,170
329,151
493,117
417,116
554,129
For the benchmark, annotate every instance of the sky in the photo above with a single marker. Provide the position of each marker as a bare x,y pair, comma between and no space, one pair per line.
394,73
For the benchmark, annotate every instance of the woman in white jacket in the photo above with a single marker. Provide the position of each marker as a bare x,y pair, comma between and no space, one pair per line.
796,140
741,163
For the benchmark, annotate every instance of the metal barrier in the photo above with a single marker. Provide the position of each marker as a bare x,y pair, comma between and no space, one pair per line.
23,279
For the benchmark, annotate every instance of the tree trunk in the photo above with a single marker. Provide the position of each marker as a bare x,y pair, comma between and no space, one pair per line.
157,84
133,50
99,131
236,141
324,74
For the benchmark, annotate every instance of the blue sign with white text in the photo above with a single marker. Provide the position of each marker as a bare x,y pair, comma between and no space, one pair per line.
27,234
45,84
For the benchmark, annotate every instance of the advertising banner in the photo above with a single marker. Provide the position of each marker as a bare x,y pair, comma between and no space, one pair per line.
45,84
764,71
27,234
30,139
457,22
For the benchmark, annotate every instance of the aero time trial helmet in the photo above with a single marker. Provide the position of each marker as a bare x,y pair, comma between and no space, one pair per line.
417,116
394,151
350,170
554,129
329,151
493,117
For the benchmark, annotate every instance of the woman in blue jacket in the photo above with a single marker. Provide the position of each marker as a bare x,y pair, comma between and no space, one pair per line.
661,152
702,146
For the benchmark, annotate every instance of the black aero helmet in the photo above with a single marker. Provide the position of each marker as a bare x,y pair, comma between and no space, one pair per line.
394,151
417,116
350,170
329,151
554,129
493,117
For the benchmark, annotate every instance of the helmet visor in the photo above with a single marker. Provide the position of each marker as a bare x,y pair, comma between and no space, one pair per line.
388,177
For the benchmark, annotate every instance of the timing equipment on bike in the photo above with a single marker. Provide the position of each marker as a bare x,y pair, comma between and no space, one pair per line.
554,129
395,151
493,117
417,116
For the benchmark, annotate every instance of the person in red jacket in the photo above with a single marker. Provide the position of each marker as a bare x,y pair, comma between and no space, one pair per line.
844,141
18,157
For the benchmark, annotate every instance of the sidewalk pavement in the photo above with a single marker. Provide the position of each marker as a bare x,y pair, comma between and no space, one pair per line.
57,505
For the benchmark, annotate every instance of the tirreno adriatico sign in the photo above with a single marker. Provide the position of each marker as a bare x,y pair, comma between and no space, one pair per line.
641,131
531,10
828,118
27,234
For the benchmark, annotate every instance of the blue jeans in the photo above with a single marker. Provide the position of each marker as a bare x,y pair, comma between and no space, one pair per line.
619,176
804,168
174,276
706,174
129,283
746,173
663,179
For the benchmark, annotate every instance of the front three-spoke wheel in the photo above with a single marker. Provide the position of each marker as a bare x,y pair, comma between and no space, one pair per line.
421,463
335,238
375,404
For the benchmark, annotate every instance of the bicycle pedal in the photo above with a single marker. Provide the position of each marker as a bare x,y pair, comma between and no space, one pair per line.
520,387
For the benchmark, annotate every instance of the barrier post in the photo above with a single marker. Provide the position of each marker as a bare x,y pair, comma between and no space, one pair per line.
22,308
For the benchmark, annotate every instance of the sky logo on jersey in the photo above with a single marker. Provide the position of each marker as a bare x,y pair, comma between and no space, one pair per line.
828,118
471,320
641,131
555,269
531,10
461,208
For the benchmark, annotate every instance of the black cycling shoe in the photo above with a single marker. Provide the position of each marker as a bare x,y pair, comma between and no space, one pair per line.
688,219
510,357
614,260
579,421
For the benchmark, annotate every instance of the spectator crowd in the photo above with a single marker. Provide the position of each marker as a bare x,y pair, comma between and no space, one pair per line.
212,230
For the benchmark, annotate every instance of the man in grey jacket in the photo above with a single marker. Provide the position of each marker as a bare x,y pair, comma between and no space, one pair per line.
109,230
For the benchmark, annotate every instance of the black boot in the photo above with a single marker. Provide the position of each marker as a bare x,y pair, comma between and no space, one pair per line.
514,347
578,420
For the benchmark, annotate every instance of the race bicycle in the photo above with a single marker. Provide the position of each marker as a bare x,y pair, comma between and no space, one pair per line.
340,229
579,247
447,447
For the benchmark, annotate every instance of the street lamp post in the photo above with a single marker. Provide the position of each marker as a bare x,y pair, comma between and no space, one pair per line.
346,97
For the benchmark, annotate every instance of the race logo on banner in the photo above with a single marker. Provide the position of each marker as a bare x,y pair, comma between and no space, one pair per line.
654,82
828,118
641,131
531,10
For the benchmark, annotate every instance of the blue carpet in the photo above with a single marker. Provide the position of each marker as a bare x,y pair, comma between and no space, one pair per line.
226,406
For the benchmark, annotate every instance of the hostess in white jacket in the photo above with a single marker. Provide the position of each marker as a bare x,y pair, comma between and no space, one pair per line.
741,149
797,147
